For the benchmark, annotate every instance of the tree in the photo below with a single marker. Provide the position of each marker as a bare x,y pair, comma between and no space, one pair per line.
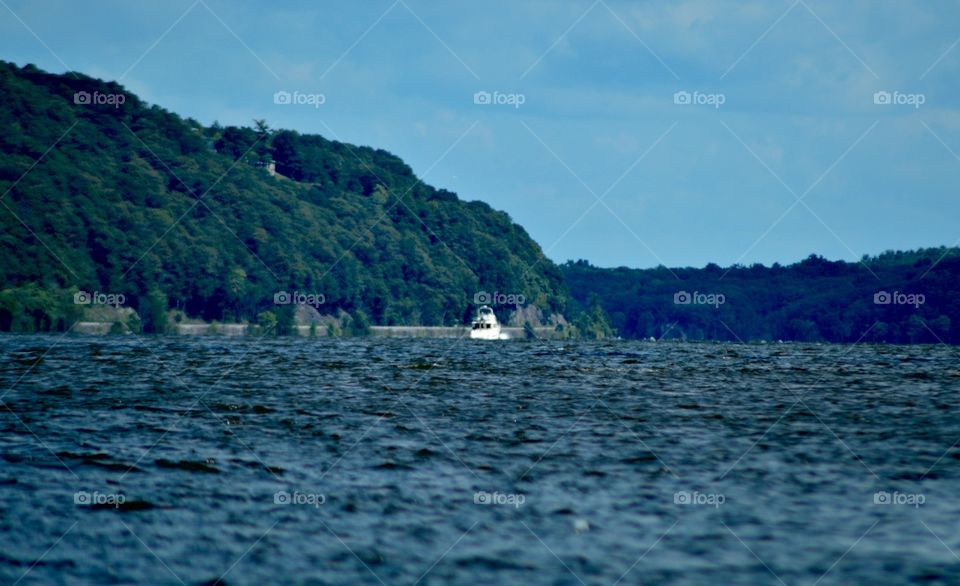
153,312
267,321
236,288
593,323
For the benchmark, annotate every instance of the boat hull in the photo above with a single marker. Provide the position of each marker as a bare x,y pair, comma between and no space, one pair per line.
485,334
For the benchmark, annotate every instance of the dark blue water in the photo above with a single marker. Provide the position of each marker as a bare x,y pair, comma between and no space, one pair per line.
173,460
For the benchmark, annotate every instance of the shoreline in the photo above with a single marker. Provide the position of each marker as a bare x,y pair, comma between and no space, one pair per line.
307,331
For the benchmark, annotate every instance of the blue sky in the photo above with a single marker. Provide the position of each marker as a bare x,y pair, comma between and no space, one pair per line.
783,151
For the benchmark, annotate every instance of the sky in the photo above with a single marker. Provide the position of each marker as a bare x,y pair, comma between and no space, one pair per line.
628,133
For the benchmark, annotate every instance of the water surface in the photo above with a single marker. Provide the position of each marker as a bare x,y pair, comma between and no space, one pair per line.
401,461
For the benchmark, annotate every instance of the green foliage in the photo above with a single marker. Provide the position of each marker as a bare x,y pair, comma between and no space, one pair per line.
153,312
284,319
359,323
268,323
30,308
813,300
138,201
592,323
134,324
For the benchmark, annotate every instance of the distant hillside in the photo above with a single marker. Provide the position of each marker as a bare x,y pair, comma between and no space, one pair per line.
902,297
136,201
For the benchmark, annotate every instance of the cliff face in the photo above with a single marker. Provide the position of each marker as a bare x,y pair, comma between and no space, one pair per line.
105,193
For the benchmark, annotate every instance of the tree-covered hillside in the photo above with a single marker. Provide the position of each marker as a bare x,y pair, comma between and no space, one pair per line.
105,193
902,297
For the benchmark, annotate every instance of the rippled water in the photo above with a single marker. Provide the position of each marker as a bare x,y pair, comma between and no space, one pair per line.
173,460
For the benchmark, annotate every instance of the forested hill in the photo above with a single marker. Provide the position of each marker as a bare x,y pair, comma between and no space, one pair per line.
902,297
105,193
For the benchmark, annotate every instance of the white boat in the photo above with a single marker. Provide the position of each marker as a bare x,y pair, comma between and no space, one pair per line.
485,326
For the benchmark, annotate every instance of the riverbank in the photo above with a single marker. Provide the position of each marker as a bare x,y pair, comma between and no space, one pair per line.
240,330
